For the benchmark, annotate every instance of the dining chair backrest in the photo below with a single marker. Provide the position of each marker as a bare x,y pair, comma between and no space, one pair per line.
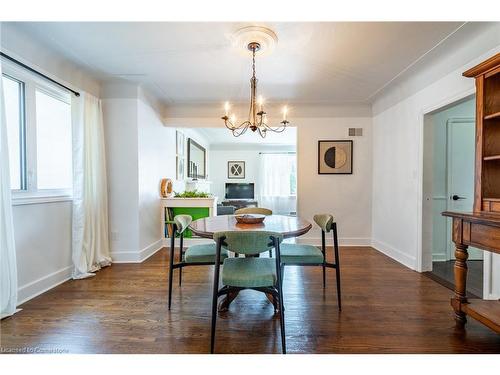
254,210
182,222
324,221
247,242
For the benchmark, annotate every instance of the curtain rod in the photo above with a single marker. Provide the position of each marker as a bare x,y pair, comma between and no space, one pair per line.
37,72
277,152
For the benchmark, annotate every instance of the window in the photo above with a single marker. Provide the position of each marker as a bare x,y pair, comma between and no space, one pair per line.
14,113
39,137
53,142
278,182
278,174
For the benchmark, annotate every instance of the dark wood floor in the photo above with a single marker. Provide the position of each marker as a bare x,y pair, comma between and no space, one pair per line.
443,273
387,308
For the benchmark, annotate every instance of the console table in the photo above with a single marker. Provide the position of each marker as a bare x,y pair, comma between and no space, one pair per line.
480,230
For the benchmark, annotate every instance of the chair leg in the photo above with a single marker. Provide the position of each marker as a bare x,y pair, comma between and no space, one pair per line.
270,253
181,246
171,269
282,273
337,263
279,268
323,250
215,295
324,277
214,318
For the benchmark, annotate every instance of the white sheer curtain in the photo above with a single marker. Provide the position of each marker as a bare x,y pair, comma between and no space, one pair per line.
277,182
90,196
7,245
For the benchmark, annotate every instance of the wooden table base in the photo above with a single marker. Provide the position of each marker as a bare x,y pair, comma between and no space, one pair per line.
231,296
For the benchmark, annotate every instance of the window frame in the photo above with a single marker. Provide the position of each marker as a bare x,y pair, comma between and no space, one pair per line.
31,83
22,133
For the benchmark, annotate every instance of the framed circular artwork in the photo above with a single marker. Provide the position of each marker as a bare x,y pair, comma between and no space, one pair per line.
236,169
335,157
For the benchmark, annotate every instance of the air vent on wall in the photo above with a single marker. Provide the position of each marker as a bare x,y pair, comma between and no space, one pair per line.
355,132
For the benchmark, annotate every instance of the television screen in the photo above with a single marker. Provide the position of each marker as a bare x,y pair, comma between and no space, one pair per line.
239,191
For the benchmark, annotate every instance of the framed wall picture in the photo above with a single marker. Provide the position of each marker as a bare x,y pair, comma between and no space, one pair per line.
179,155
180,167
196,160
335,157
236,169
179,143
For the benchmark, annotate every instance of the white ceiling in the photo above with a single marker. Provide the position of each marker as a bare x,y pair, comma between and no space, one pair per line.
330,62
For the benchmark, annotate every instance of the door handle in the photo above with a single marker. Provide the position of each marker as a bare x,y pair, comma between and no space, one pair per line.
456,197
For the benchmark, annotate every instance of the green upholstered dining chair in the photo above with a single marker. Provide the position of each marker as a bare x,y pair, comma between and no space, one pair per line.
261,274
308,255
196,255
254,210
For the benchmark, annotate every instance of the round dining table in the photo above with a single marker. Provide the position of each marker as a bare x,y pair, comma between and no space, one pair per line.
288,226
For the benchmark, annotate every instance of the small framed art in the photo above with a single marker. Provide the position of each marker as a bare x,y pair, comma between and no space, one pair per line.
236,169
335,157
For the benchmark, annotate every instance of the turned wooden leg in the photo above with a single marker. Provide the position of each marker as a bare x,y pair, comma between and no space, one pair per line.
460,271
230,297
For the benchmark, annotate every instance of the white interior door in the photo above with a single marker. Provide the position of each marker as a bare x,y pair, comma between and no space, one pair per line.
460,170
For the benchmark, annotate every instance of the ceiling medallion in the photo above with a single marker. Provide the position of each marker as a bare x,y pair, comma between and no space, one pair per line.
257,117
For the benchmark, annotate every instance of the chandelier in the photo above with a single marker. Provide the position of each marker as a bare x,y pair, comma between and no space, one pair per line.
257,117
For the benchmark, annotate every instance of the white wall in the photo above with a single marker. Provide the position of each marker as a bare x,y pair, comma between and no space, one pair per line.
398,139
346,197
120,129
139,155
43,230
156,146
43,247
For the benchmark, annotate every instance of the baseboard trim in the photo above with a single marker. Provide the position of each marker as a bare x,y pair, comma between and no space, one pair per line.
151,250
43,284
137,256
343,241
439,258
395,254
316,241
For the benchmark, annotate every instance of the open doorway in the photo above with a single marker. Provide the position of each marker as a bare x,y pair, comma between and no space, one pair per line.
244,171
449,154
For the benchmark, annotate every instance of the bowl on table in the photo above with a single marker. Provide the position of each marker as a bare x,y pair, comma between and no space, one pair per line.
250,218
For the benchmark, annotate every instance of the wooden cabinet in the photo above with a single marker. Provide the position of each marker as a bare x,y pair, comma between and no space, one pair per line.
487,184
481,228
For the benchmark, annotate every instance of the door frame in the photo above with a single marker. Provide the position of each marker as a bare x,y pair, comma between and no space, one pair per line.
424,255
452,120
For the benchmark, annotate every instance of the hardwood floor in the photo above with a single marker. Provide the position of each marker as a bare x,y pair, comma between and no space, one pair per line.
387,308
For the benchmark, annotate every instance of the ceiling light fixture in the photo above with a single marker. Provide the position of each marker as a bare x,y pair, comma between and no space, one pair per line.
257,117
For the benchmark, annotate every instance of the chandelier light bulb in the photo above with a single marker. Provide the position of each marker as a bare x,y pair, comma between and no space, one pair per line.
260,101
233,119
285,112
226,108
